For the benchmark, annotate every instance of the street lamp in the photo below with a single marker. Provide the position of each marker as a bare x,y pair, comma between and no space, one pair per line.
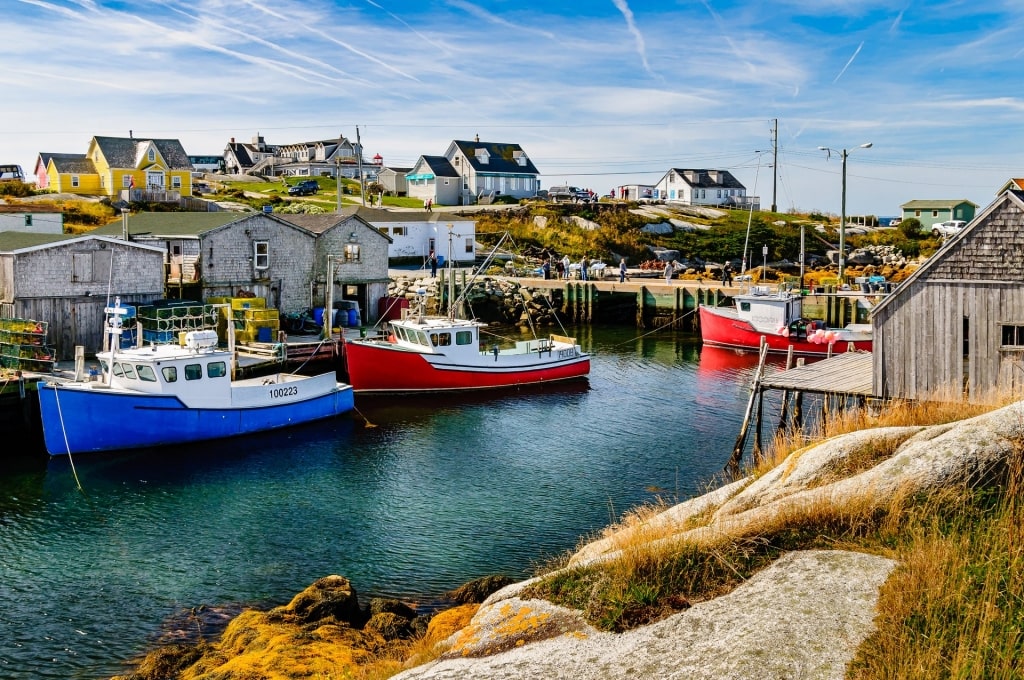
842,215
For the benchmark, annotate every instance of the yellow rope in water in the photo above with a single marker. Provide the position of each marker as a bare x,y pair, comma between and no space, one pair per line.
367,420
67,446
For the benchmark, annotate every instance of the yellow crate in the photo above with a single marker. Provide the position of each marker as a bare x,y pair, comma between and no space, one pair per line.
249,303
260,315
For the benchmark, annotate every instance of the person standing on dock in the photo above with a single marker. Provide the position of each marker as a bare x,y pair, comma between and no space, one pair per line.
565,266
622,270
668,273
584,263
727,274
432,258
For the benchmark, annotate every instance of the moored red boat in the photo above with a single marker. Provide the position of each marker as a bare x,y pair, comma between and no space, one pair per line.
778,318
433,354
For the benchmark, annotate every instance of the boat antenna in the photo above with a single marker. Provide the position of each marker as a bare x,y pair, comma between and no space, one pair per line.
483,267
451,277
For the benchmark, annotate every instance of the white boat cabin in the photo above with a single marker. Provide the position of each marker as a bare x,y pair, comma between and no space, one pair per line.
454,338
768,311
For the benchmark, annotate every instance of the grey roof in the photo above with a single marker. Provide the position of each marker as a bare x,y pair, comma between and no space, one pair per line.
926,204
704,180
73,163
172,224
123,152
318,224
45,156
440,166
384,215
16,240
501,157
400,171
241,152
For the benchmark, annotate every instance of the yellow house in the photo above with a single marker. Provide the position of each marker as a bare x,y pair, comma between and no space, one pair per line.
115,164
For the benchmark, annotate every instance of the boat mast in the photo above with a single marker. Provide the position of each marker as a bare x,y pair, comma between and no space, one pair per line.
451,277
114,315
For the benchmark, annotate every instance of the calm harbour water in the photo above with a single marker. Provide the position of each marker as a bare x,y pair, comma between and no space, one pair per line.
441,491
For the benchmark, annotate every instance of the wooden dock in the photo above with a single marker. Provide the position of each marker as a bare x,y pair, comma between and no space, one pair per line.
845,374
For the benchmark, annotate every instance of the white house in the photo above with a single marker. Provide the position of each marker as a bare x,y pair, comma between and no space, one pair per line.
433,178
32,219
704,187
415,233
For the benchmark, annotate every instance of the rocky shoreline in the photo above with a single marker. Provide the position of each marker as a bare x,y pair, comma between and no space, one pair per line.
804,615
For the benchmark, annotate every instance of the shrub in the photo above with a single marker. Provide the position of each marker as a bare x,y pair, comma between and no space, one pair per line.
910,227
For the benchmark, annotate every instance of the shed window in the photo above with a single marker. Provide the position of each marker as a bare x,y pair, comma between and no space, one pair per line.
28,220
261,254
398,231
1012,336
352,252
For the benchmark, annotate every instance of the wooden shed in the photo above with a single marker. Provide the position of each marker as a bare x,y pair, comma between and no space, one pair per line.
67,280
955,327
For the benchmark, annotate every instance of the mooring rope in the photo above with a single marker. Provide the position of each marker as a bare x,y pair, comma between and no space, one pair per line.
64,432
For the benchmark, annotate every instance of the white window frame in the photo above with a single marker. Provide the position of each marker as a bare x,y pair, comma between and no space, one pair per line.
352,252
74,181
175,181
261,255
152,155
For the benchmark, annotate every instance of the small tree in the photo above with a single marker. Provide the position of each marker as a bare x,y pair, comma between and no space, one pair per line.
910,227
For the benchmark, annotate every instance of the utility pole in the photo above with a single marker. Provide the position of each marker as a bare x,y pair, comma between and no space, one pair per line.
359,165
775,162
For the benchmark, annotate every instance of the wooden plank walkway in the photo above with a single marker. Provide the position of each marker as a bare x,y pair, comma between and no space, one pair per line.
844,373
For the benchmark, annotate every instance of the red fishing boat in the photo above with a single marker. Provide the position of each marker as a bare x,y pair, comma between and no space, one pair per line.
440,354
778,318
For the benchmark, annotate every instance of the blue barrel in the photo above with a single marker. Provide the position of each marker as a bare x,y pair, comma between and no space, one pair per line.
341,318
353,317
318,315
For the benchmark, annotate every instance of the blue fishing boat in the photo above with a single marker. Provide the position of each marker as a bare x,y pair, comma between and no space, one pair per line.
157,395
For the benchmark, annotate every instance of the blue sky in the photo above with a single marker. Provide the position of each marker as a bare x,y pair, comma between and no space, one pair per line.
598,93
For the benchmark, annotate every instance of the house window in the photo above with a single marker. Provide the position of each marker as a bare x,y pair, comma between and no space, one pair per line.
152,155
74,180
261,254
935,213
1012,336
126,181
469,245
917,213
352,252
28,220
176,182
398,231
446,181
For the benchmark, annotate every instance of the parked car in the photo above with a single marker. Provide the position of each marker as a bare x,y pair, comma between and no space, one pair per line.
948,228
304,188
562,193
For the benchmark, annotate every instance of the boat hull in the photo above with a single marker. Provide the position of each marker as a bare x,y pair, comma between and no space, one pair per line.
721,329
385,367
79,419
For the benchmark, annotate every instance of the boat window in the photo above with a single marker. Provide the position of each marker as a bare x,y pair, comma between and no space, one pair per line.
441,339
744,306
216,369
193,371
421,338
129,371
146,373
464,337
170,373
400,332
117,370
